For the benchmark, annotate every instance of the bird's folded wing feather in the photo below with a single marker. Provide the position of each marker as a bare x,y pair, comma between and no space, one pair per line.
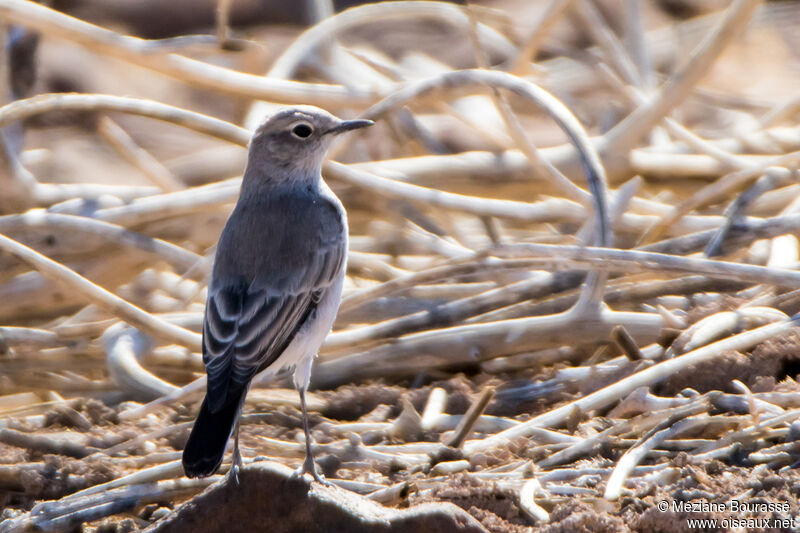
248,326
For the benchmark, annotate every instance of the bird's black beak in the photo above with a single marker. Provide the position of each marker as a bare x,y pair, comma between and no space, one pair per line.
347,125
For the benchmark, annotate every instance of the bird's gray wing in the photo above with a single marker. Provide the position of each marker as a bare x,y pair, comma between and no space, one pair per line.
248,326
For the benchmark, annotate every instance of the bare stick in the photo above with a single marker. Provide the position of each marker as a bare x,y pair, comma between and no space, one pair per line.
125,347
626,343
103,298
615,54
368,14
196,387
138,51
95,507
45,443
665,162
594,286
648,376
625,134
573,257
595,174
180,258
551,15
43,103
634,455
458,202
722,186
194,200
649,260
439,273
141,159
474,412
482,341
223,19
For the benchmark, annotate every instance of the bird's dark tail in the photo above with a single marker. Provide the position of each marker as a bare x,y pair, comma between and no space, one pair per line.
206,445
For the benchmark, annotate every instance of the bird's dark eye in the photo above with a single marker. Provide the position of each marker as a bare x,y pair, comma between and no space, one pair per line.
302,130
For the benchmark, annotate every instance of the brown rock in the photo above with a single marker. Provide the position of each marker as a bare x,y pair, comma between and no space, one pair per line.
268,498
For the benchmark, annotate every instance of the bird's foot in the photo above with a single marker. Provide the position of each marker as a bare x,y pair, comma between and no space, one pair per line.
310,467
233,475
236,464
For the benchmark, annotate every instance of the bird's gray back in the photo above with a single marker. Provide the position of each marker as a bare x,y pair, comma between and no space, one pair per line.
272,239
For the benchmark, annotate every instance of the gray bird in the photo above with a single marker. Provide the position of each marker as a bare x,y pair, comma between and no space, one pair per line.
277,278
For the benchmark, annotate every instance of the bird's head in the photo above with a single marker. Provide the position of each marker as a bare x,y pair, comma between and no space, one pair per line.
291,143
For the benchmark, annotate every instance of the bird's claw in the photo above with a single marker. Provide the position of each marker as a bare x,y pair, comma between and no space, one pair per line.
309,467
233,475
236,463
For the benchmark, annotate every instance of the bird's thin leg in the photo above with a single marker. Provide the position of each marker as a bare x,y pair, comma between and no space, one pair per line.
309,465
236,461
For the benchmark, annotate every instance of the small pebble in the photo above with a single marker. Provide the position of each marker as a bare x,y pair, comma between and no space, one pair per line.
449,467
